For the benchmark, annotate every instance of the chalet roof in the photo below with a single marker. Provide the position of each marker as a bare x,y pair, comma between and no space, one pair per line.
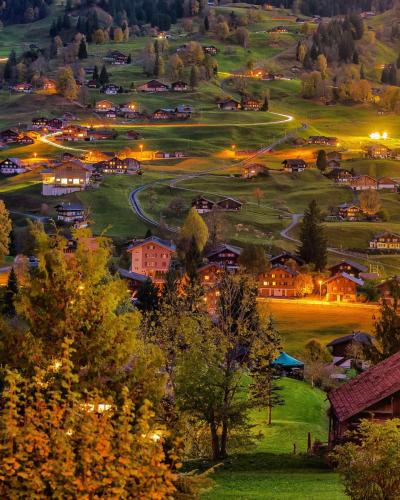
386,180
351,263
153,239
224,246
203,198
347,276
360,337
229,199
16,161
69,206
367,389
155,84
71,168
294,162
288,256
287,269
338,172
388,234
179,83
124,273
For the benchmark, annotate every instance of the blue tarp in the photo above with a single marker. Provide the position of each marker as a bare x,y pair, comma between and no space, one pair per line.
287,361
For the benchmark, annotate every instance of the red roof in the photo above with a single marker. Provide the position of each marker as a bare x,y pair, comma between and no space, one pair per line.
372,386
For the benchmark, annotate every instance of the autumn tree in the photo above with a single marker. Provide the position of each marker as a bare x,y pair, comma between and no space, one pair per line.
194,226
99,37
304,284
5,230
217,225
118,35
313,243
176,67
194,77
11,293
370,202
322,65
222,30
242,37
65,83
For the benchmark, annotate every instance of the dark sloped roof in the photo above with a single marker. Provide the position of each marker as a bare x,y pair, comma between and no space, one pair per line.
356,265
360,337
224,246
367,389
154,239
124,273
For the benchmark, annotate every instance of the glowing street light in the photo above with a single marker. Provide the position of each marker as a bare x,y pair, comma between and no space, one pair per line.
320,289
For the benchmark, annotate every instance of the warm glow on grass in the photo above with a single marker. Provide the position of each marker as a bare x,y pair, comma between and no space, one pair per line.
377,136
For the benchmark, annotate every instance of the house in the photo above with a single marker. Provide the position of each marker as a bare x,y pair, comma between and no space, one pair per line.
372,395
385,240
363,182
128,108
100,134
22,88
184,111
386,289
111,114
210,49
342,288
279,281
228,105
340,175
72,133
54,124
253,170
70,212
349,211
104,106
287,259
323,140
387,183
377,152
110,89
348,266
117,166
9,136
203,204
230,204
340,348
210,276
12,166
163,114
39,123
225,255
294,165
134,280
250,104
179,86
116,57
151,257
66,178
153,86
49,85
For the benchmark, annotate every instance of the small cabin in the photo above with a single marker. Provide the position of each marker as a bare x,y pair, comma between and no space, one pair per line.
230,204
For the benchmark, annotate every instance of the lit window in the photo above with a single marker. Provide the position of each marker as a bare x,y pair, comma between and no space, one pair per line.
206,277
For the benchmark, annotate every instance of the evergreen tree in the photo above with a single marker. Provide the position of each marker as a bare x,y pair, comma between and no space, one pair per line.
147,297
12,289
95,75
206,24
9,68
82,52
265,106
313,247
322,160
103,78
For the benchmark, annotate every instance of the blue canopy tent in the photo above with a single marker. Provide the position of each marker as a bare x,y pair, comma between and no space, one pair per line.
290,366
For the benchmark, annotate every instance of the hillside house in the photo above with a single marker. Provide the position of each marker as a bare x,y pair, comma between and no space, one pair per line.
116,57
72,133
340,175
294,165
179,86
349,211
230,204
210,49
280,281
250,104
374,395
210,276
70,212
377,152
342,288
385,240
323,140
110,114
163,114
387,183
104,106
203,204
39,123
228,105
287,259
153,86
151,257
341,347
100,134
363,182
127,109
225,255
348,266
110,89
66,178
9,136
117,166
22,88
253,170
12,166
387,287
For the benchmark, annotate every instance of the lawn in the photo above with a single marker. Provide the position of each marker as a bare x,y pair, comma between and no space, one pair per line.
271,471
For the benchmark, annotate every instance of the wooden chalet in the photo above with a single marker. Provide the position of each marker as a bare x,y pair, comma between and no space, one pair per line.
117,166
72,133
253,170
372,395
229,105
210,276
153,86
342,288
225,255
110,89
250,104
386,240
22,88
377,152
287,259
279,281
133,280
349,211
230,204
387,183
11,136
179,86
386,289
294,165
363,183
70,212
348,266
339,347
12,166
163,114
210,49
104,106
203,204
340,175
100,134
116,57
323,140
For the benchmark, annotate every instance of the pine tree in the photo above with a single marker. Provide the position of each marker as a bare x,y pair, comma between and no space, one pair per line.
322,160
313,248
103,78
206,24
95,75
265,106
9,68
82,52
12,289
147,297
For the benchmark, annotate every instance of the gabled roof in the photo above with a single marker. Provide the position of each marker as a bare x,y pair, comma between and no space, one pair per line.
154,84
367,389
229,199
224,246
287,269
360,337
357,281
124,273
287,361
153,239
385,233
69,206
351,263
288,255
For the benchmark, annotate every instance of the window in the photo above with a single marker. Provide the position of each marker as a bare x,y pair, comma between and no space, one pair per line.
266,283
272,275
273,283
206,277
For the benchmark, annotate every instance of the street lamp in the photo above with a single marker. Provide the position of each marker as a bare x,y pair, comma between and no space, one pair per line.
320,289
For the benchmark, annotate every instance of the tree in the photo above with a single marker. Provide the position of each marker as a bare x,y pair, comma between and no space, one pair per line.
5,230
11,292
118,35
322,65
99,37
368,464
217,225
370,202
253,259
316,370
222,30
65,83
206,23
82,53
147,296
104,78
242,37
322,162
176,67
265,106
304,284
194,226
313,243
258,194
194,77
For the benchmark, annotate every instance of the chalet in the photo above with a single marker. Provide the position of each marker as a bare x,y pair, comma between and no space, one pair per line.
385,240
153,86
184,111
280,281
92,84
116,57
225,255
118,166
342,288
104,106
70,212
349,211
377,152
110,89
387,183
9,136
287,259
66,178
228,105
387,288
100,134
253,170
340,347
372,395
363,182
348,266
179,86
49,85
163,114
39,123
210,49
210,276
294,165
230,204
54,124
72,133
110,114
22,88
151,257
323,140
340,175
203,205
12,166
250,104
128,108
